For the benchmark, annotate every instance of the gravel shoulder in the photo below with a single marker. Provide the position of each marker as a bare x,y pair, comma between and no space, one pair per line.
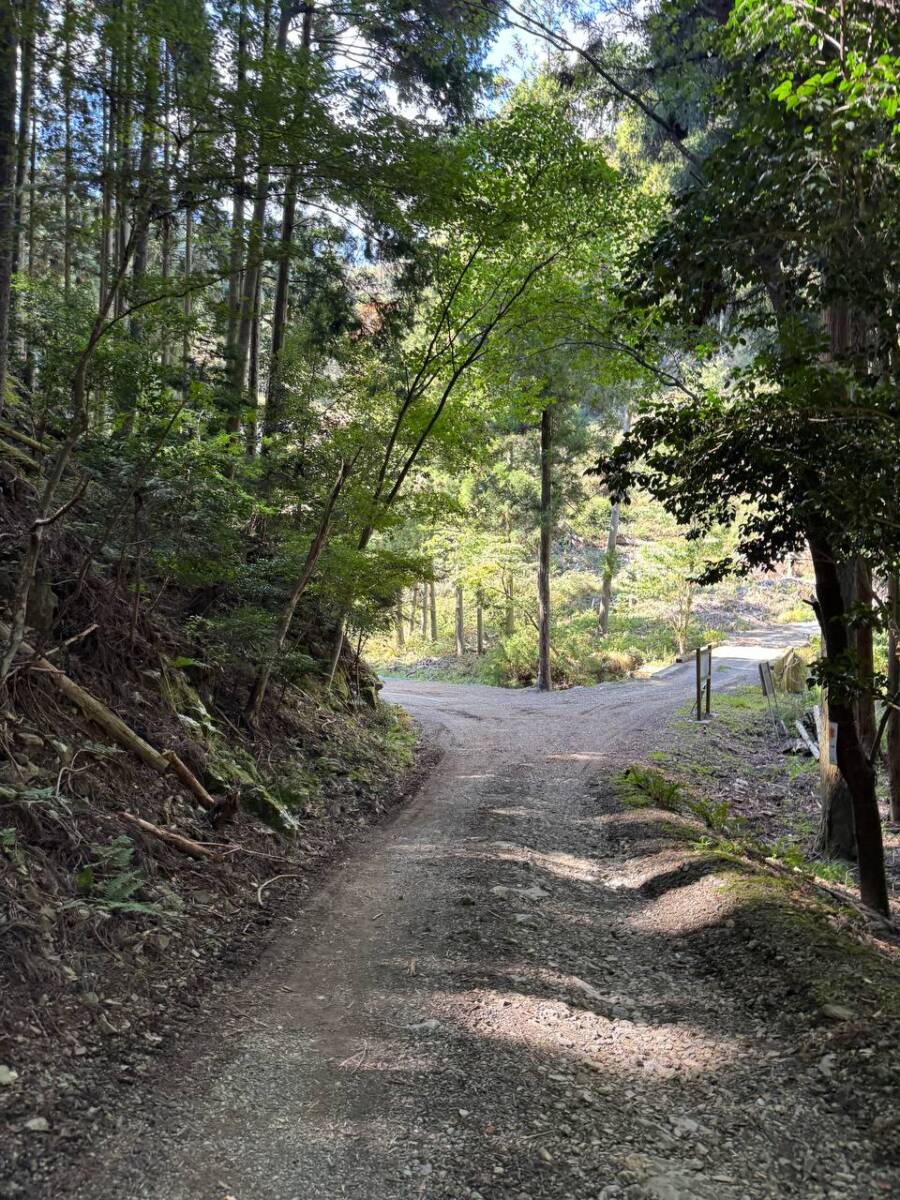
511,989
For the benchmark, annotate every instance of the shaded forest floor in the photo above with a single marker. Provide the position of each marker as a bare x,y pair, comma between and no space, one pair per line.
523,985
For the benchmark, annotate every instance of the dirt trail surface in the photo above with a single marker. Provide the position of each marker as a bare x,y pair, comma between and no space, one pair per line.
493,997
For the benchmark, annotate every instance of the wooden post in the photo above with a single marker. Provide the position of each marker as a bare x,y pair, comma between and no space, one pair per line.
704,680
460,623
699,685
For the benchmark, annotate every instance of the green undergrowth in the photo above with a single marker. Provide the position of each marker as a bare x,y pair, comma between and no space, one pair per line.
580,656
696,780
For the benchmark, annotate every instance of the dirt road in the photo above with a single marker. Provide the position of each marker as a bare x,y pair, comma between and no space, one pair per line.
498,996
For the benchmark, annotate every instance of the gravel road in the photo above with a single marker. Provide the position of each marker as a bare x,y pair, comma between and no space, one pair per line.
491,997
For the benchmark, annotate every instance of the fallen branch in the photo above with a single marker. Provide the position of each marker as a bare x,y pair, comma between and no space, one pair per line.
262,887
164,763
19,456
18,436
185,844
76,637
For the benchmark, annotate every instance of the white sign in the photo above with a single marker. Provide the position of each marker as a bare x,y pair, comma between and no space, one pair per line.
832,743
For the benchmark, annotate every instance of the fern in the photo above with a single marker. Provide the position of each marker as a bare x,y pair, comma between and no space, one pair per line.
122,887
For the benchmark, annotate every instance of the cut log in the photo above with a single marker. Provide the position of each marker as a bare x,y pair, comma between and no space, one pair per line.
19,456
806,739
8,431
164,763
185,844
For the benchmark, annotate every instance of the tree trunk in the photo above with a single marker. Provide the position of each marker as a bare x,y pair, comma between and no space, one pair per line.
893,725
509,617
837,834
432,612
399,631
187,304
123,146
145,171
261,683
610,560
479,625
852,760
276,391
27,39
31,234
413,609
8,232
255,242
609,570
865,703
109,137
251,438
68,171
236,236
544,678
424,628
460,623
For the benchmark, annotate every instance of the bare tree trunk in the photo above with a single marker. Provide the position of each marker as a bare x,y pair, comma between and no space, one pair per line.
852,760
123,146
865,704
683,618
610,561
460,623
187,304
236,237
399,632
479,624
165,249
145,170
240,351
432,612
68,171
106,202
251,439
28,34
544,677
413,609
893,726
275,390
509,617
28,373
836,836
8,232
424,627
261,684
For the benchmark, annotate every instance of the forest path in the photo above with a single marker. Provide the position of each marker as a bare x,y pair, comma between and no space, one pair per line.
420,1033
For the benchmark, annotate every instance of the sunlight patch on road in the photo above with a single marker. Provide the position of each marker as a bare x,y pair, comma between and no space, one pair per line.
578,756
555,862
699,905
610,1045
